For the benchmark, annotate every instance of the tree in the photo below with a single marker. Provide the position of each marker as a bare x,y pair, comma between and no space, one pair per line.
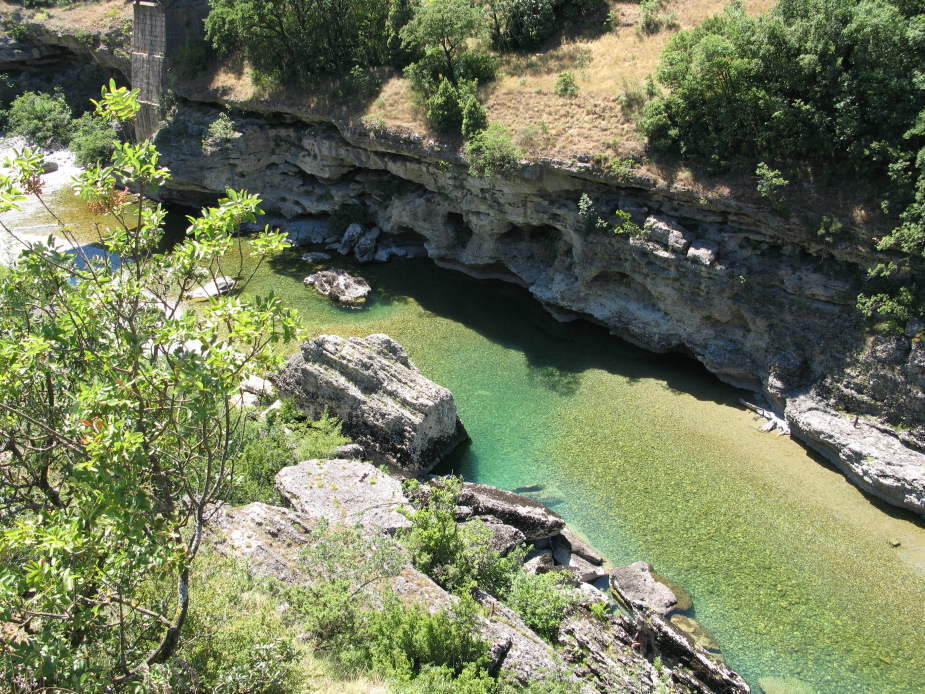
117,429
443,110
445,25
474,117
289,39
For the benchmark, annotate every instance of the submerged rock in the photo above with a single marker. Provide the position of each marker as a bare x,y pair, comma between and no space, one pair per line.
696,631
340,285
636,584
316,257
784,685
388,406
344,491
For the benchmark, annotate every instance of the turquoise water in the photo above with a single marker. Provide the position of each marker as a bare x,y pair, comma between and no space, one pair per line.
652,458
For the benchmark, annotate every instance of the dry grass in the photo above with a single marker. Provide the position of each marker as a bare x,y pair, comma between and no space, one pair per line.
94,17
596,122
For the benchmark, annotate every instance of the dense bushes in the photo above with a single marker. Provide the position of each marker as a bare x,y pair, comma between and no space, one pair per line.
835,84
288,40
283,437
492,152
520,24
46,120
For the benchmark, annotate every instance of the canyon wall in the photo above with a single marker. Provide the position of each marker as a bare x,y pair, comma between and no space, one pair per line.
760,303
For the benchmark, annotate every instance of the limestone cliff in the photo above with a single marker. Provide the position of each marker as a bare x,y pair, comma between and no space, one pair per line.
760,303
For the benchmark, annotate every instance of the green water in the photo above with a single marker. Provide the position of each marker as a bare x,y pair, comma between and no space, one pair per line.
649,456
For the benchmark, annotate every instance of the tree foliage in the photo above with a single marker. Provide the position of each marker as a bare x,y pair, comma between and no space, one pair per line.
289,40
116,426
836,84
444,25
520,24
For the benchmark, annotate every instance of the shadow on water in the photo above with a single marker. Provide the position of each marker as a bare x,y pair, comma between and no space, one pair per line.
557,354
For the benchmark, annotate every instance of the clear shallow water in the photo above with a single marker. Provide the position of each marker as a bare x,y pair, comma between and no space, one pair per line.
650,457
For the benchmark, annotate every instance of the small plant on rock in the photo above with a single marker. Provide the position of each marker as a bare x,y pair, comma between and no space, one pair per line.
492,152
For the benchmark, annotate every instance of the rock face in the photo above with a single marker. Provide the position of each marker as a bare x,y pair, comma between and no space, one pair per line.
635,584
873,459
340,286
344,491
399,416
530,517
749,294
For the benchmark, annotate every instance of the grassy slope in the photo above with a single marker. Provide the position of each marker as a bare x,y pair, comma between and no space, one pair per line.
595,125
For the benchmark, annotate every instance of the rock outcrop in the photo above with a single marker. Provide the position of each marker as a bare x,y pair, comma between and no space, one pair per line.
400,417
344,491
530,517
339,285
872,458
635,584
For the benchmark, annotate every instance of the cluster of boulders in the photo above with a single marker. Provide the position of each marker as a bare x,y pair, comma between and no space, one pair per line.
365,244
398,417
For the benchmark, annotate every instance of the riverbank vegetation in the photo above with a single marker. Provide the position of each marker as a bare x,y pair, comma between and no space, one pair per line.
120,436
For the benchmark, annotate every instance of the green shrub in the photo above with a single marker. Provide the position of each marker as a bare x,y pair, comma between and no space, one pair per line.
427,73
237,641
771,184
44,119
285,437
404,637
520,24
221,129
492,152
457,558
347,568
474,118
542,600
443,110
566,85
365,82
92,141
347,214
442,680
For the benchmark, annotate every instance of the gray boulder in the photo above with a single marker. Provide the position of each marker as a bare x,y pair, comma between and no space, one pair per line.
515,649
533,519
268,537
351,236
668,233
316,257
340,286
366,245
399,416
344,491
875,461
539,561
703,252
635,584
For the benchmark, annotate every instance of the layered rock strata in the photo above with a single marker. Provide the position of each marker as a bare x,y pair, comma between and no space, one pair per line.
400,417
757,300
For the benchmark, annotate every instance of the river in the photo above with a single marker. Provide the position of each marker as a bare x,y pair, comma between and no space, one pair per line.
792,568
